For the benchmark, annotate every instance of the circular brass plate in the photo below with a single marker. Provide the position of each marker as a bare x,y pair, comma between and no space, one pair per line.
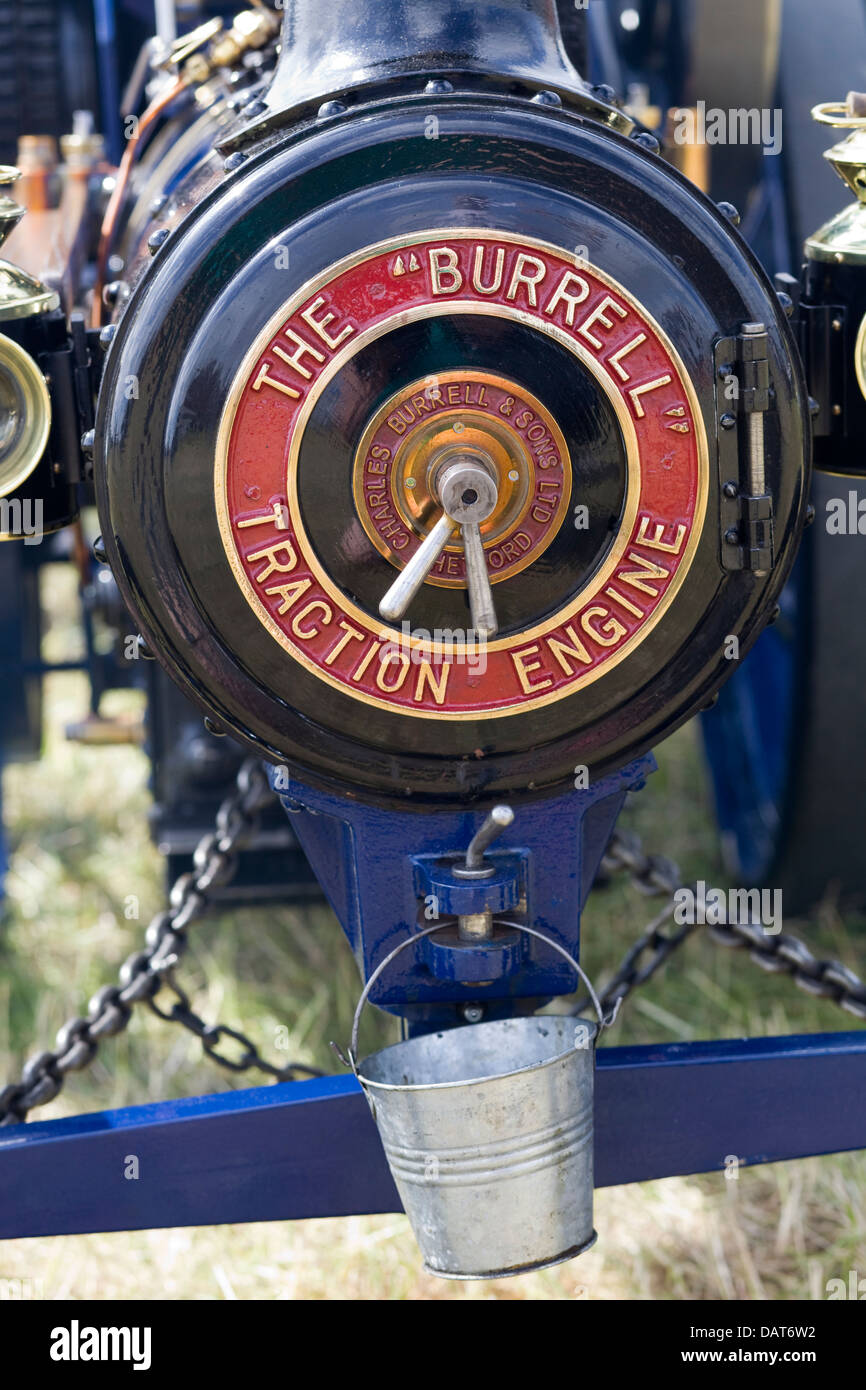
393,476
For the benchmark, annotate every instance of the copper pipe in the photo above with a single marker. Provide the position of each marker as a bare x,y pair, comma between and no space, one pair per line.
124,172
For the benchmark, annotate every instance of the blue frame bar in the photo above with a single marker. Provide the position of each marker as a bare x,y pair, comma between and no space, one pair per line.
310,1148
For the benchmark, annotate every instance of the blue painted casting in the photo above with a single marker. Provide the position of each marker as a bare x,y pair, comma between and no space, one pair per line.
385,873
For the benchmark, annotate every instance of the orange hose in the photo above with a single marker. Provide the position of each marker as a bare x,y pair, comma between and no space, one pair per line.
124,172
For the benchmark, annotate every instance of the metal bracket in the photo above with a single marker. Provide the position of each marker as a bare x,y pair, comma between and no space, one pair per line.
743,393
823,336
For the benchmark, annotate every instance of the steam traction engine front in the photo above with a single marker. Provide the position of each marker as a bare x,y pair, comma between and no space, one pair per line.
446,436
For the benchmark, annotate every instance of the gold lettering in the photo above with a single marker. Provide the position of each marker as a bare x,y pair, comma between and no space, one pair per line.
350,634
263,379
524,669
657,542
301,346
443,261
427,677
624,602
519,277
320,326
636,391
306,633
561,295
384,662
616,357
598,315
365,661
649,570
573,647
272,551
609,634
290,593
478,266
277,516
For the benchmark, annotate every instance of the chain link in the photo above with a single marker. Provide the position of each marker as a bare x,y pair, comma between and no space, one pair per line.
145,973
782,953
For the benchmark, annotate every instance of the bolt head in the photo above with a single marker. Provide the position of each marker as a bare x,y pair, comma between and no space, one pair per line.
157,239
106,337
647,141
728,420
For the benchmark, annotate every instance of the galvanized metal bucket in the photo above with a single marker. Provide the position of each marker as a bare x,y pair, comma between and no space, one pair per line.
488,1131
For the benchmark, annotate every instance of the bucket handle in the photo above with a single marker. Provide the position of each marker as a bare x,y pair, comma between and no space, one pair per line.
604,1021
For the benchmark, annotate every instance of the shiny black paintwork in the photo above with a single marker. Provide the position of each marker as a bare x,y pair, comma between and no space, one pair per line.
498,162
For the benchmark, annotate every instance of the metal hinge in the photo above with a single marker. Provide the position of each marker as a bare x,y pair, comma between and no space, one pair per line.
743,394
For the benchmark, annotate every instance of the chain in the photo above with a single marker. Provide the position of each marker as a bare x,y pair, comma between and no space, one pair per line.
145,973
783,953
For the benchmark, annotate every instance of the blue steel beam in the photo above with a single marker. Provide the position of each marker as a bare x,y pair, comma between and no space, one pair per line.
310,1148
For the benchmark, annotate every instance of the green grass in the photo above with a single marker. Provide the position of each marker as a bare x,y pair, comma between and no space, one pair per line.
81,854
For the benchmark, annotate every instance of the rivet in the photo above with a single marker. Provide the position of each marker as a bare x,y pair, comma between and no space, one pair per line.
647,141
732,536
439,86
731,490
117,291
728,420
730,212
547,98
213,728
99,551
234,161
157,239
330,108
88,440
106,337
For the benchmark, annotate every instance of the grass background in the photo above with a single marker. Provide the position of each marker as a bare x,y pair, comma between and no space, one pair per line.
77,824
